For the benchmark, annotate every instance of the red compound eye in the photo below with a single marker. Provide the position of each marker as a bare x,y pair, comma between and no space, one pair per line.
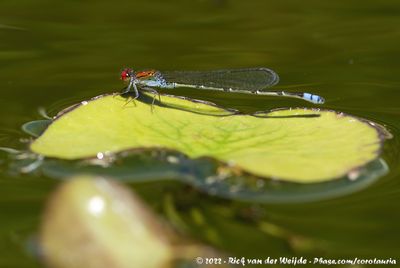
126,73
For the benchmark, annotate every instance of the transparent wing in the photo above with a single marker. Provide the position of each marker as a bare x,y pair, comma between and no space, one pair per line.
236,79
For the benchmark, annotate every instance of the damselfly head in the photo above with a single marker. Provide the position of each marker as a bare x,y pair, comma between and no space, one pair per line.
126,74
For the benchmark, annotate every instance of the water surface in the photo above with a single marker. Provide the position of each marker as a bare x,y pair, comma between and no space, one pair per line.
53,55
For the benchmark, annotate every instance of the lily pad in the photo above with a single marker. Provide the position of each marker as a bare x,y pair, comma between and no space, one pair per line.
298,145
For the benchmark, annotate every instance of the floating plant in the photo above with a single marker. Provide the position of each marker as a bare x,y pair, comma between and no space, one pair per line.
275,156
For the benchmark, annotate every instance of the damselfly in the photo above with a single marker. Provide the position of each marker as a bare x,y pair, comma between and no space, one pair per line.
247,81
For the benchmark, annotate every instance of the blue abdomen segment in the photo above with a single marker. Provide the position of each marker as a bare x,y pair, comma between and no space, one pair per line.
313,98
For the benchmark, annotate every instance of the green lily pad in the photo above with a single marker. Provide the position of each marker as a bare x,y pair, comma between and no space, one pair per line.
298,145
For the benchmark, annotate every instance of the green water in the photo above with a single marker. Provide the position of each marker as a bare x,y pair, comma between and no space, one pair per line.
55,54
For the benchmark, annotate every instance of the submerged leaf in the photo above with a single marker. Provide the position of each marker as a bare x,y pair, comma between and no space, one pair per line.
298,145
211,176
36,128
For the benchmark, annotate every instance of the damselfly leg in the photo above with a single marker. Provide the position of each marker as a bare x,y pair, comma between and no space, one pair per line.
155,94
132,84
